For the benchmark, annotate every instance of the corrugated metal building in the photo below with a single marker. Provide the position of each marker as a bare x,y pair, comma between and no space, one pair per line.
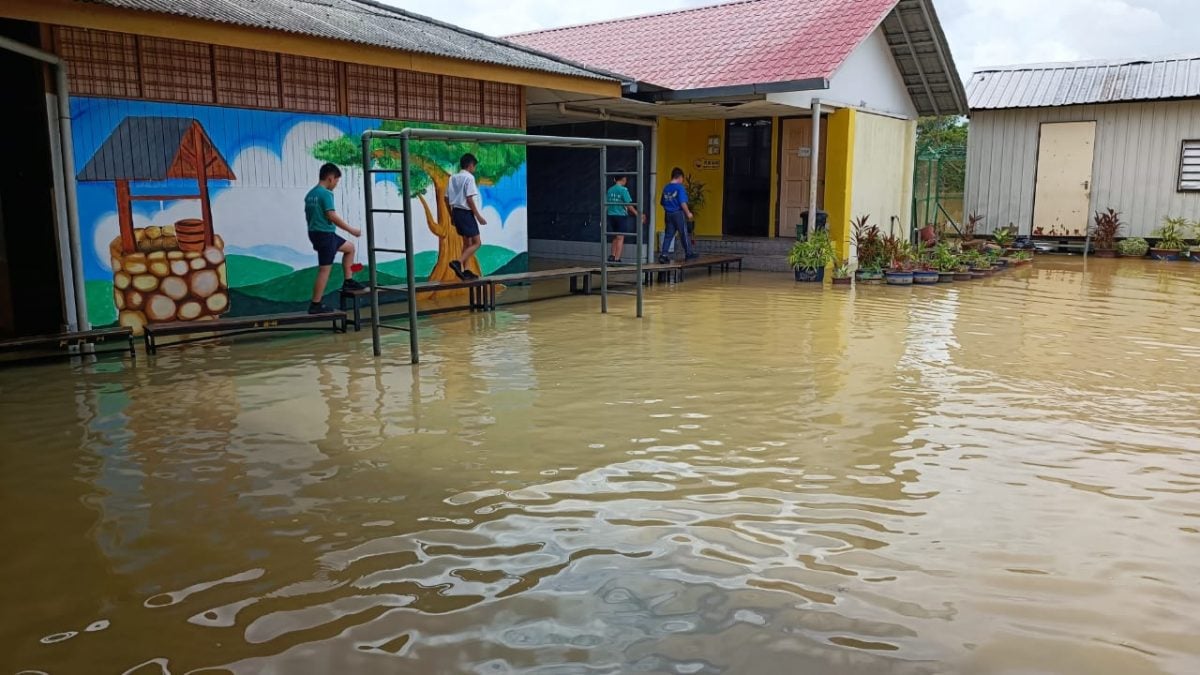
1051,144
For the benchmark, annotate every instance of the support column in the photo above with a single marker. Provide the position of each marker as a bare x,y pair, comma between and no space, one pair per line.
814,165
839,178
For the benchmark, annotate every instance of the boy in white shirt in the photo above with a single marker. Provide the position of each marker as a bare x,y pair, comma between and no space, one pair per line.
462,196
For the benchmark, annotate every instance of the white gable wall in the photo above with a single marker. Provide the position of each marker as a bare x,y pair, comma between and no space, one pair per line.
868,80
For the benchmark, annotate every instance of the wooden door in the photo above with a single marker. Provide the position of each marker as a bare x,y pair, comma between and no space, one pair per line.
795,171
1063,191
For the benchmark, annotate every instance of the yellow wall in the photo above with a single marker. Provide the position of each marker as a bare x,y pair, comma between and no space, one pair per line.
684,144
840,167
883,163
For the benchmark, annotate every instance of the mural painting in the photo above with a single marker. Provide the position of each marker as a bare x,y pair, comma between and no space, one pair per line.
194,211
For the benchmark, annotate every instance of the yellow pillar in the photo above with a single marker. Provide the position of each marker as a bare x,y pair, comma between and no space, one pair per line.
839,177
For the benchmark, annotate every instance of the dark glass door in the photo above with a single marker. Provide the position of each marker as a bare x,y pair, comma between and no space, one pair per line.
747,211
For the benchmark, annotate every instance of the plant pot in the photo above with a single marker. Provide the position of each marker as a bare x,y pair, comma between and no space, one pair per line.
1164,253
869,278
898,278
1195,254
945,277
842,281
925,277
1105,253
963,276
817,275
979,272
1001,263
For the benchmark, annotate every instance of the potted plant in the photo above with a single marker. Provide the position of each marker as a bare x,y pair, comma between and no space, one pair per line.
925,272
1105,229
810,255
842,273
1021,258
868,245
898,254
1132,247
946,262
1170,239
1195,250
1004,238
976,264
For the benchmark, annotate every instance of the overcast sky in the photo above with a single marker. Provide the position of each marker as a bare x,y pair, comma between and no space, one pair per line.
981,32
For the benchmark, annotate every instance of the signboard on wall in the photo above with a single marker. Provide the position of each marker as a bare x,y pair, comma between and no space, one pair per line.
707,164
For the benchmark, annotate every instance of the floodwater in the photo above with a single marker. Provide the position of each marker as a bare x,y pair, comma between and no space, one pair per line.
1000,476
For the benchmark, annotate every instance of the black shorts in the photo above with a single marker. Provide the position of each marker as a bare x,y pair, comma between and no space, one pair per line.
326,244
620,224
464,222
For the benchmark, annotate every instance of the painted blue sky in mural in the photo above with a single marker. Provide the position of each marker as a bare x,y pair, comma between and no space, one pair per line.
232,131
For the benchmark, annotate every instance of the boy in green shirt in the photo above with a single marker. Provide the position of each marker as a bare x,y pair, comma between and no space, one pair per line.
323,222
622,216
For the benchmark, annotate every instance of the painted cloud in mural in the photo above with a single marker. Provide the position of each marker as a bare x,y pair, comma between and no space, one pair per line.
280,184
256,206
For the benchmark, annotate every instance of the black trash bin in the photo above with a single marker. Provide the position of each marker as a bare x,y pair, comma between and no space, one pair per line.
802,226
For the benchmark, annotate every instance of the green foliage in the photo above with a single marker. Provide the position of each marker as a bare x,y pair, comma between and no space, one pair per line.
813,252
1133,247
939,133
697,194
1003,237
1172,233
427,156
944,258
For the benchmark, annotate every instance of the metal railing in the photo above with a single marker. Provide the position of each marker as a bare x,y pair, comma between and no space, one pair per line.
447,135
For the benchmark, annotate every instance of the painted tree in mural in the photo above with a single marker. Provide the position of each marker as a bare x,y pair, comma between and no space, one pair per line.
432,162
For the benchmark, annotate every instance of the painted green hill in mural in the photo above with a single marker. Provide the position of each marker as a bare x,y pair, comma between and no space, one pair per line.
246,270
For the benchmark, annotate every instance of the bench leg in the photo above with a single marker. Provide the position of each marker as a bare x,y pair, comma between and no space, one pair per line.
574,284
357,315
132,348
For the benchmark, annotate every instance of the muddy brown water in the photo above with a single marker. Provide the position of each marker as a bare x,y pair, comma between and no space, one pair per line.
1000,476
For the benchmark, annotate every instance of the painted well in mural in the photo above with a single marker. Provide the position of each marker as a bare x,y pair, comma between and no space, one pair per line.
193,211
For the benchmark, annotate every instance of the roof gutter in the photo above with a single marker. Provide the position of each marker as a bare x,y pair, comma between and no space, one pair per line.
602,115
734,91
67,151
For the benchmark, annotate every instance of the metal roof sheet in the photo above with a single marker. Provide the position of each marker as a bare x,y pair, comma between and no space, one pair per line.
1060,84
364,22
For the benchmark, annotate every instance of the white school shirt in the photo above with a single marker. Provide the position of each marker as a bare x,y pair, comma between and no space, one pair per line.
462,185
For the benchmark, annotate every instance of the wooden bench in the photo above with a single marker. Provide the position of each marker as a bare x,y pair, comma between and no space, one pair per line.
581,281
239,326
721,262
672,272
61,341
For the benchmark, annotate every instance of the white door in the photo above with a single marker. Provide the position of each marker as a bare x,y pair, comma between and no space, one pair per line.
1063,193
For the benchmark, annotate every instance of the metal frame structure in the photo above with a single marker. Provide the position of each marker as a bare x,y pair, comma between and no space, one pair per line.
447,135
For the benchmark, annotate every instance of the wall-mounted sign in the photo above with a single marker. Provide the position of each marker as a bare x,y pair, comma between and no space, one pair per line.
706,164
804,152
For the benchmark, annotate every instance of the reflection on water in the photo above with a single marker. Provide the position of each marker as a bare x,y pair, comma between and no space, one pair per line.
999,476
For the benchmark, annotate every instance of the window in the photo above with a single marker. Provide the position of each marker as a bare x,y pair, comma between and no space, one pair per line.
461,102
246,77
502,105
418,96
176,71
309,85
100,63
1189,167
371,91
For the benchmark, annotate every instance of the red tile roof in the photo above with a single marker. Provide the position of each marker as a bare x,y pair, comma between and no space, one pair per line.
738,43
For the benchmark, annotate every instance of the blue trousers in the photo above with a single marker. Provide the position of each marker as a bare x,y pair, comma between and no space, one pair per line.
676,223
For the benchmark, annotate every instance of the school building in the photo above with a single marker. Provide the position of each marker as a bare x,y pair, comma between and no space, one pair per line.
752,99
157,152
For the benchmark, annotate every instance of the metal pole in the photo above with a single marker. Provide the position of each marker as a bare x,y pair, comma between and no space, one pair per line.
641,203
369,219
603,230
814,165
408,251
652,218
